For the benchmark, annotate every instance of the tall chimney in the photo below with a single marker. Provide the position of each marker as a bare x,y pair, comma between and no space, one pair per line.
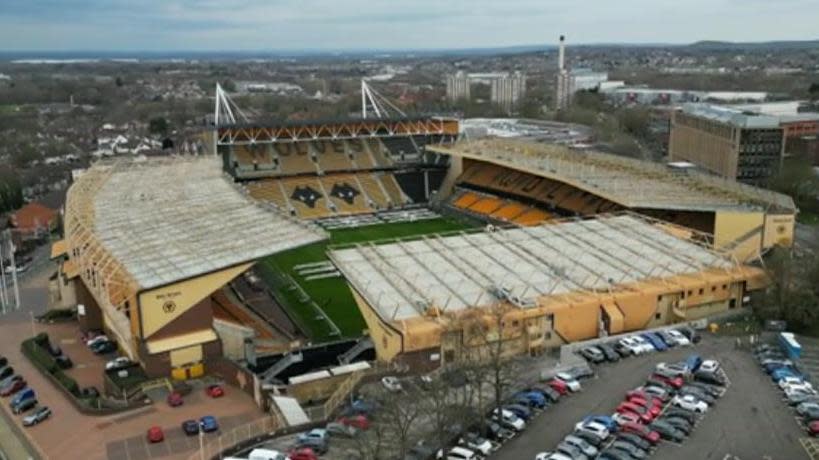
561,53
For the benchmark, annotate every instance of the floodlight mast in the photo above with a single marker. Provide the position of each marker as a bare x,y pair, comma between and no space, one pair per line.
373,103
223,111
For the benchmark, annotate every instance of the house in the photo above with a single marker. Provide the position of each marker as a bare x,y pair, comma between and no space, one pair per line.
33,220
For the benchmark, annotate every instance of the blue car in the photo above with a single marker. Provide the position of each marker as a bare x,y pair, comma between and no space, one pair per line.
533,398
693,362
519,410
783,372
655,341
771,367
604,420
208,423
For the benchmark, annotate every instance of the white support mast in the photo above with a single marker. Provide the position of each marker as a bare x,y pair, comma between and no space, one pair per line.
223,111
373,103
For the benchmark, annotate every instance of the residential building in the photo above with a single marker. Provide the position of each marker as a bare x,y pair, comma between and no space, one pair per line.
507,90
457,86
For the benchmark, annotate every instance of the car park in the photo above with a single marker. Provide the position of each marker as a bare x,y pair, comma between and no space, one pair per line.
208,424
690,403
391,383
593,355
190,427
39,415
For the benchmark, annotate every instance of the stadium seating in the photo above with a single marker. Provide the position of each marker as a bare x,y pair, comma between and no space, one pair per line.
305,196
345,185
399,146
294,158
374,190
509,211
270,190
486,205
393,190
532,217
329,159
361,156
378,152
466,200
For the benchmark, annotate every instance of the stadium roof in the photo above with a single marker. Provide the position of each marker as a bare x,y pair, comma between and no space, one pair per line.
171,219
283,123
627,181
401,280
731,116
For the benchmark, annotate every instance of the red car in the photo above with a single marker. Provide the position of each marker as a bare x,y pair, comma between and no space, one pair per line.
215,391
642,431
559,386
356,421
653,407
13,387
155,434
813,428
302,453
676,382
626,407
175,399
640,393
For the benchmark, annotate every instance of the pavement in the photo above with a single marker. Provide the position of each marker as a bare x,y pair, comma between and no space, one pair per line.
750,422
71,434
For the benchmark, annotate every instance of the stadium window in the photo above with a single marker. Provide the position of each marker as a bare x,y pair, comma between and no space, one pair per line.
690,292
701,291
732,303
384,341
547,335
657,315
659,298
713,288
515,323
724,287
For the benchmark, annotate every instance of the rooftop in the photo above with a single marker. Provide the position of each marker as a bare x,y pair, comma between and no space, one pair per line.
731,116
403,279
630,182
166,220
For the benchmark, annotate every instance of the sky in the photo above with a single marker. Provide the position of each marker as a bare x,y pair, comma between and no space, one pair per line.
272,25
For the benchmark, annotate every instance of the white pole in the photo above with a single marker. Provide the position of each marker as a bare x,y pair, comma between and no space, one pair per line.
3,299
201,444
12,249
363,101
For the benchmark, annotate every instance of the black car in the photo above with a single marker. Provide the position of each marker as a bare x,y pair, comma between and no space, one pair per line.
614,454
593,355
105,347
581,372
630,449
3,361
811,414
54,350
667,431
710,377
660,384
24,405
548,392
679,424
190,427
609,352
676,412
691,334
6,372
498,433
634,440
64,362
589,438
709,389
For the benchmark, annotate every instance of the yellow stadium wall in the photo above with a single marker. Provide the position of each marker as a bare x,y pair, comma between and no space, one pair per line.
159,307
388,342
579,321
747,226
779,230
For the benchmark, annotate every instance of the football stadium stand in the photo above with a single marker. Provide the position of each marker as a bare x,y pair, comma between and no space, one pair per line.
743,219
152,241
550,284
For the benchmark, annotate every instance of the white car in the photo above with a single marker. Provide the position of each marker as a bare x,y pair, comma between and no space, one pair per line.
631,345
391,383
478,444
799,387
552,456
644,344
594,428
587,449
678,337
117,363
788,381
709,365
675,370
457,453
510,419
98,339
570,381
691,403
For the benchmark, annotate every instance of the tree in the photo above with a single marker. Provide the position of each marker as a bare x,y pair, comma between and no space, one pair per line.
119,82
813,91
158,125
11,192
229,86
794,291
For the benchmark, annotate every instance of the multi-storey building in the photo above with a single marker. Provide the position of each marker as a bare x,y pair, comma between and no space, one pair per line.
457,86
507,90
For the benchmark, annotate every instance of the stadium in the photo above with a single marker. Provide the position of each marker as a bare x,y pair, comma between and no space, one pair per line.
301,247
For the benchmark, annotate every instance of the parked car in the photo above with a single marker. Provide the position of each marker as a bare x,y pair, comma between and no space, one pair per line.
667,431
614,454
457,453
548,392
477,443
693,363
215,391
690,403
3,361
552,456
267,454
104,347
590,438
39,415
497,432
710,377
653,407
609,352
117,363
359,422
155,434
632,450
391,383
642,431
530,398
802,408
681,339
799,398
709,365
319,446
667,339
650,391
678,423
627,407
597,429
570,450
675,382
587,449
697,393
710,389
634,440
23,405
6,372
96,339
604,420
569,380
64,362
581,372
175,399
655,341
520,410
630,346
671,370
12,386
315,433
559,386
190,427
300,453
593,355
208,424
813,428
692,335
625,417
340,430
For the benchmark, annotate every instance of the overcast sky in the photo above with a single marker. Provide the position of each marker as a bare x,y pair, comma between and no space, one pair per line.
156,25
